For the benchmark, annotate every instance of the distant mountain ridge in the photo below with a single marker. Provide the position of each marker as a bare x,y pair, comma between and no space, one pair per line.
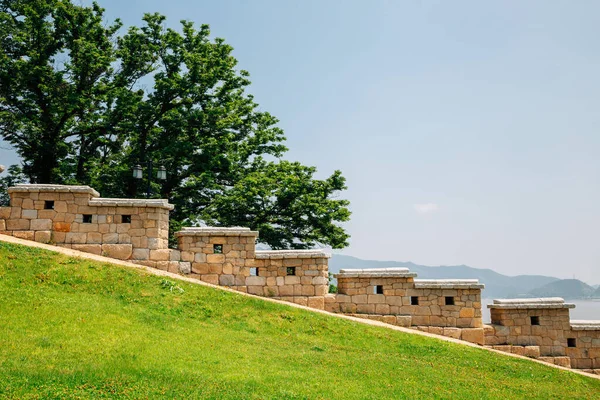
496,285
566,288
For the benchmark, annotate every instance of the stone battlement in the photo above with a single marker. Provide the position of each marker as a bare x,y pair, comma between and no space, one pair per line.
531,304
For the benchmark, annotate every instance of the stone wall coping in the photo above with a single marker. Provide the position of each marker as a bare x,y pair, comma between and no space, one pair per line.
110,202
36,188
538,300
583,325
216,231
280,254
376,273
531,304
448,284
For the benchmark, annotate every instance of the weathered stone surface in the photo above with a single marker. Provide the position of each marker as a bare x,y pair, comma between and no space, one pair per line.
88,248
75,237
215,258
118,251
160,255
110,238
62,227
226,280
41,224
18,224
43,236
29,214
185,267
473,335
27,235
140,254
317,302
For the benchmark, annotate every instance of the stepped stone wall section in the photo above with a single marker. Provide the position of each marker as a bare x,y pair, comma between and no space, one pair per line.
227,257
394,295
76,217
138,230
545,323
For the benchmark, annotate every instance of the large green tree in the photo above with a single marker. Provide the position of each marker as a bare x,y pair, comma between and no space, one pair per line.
83,102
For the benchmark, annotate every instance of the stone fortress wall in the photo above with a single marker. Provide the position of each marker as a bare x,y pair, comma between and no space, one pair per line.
137,230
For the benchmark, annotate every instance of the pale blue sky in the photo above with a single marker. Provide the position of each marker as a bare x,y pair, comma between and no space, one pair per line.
468,131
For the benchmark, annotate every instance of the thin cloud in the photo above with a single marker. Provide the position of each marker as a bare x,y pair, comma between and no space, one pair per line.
426,208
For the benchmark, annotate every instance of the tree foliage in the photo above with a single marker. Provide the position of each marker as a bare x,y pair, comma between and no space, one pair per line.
83,102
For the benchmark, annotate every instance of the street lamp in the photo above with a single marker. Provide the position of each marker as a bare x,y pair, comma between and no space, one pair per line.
138,173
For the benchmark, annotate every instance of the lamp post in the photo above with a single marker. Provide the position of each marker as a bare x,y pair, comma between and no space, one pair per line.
138,173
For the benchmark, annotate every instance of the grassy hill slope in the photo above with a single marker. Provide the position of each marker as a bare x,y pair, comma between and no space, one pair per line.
78,329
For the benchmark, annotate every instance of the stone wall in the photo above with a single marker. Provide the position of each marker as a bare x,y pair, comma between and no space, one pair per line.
394,295
227,257
137,230
76,217
545,324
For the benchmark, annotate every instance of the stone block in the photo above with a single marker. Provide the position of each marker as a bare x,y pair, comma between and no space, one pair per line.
473,335
29,214
110,238
27,235
365,308
140,254
228,269
94,237
255,281
200,268
43,236
15,212
519,350
185,267
199,257
317,302
467,313
118,251
308,290
321,290
76,237
292,280
562,361
257,290
62,227
532,351
382,308
226,280
173,266
59,237
215,258
2,225
174,255
215,268
60,206
5,212
47,214
18,224
160,255
452,332
153,243
404,320
88,248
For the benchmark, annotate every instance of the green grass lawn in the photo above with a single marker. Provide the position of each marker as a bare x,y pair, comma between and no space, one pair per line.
72,328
